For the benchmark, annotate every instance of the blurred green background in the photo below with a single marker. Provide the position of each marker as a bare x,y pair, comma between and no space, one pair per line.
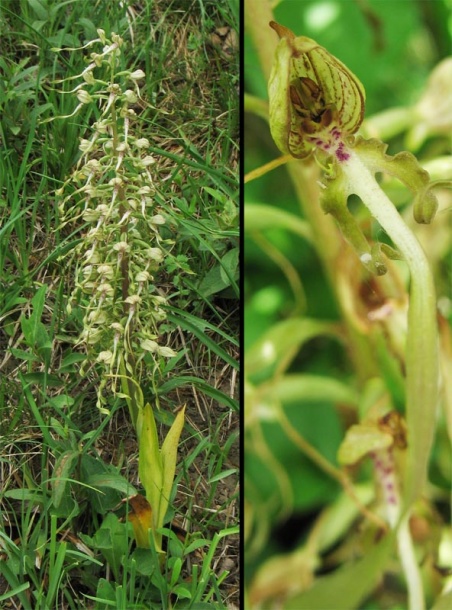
391,46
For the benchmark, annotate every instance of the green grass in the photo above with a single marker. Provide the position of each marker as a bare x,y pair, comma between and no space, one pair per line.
65,541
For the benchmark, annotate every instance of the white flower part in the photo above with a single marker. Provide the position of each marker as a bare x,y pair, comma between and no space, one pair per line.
121,246
101,34
88,286
90,215
85,145
91,336
97,59
142,276
106,289
117,327
133,203
101,126
92,256
114,89
142,143
122,147
84,97
117,39
159,300
365,258
106,271
102,208
95,234
97,317
125,217
116,181
159,315
166,352
137,75
93,165
87,271
91,191
133,299
158,219
148,160
149,346
144,190
88,77
130,96
155,254
106,356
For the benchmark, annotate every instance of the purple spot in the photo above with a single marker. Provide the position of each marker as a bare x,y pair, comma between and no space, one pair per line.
341,154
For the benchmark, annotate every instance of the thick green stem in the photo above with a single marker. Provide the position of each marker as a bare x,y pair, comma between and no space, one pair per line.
422,370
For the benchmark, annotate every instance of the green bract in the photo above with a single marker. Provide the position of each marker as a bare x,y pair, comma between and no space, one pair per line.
313,97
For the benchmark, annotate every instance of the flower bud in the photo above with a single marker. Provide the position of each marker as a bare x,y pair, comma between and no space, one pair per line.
101,34
105,356
130,96
84,97
149,346
166,352
155,254
148,160
137,75
314,98
142,143
158,219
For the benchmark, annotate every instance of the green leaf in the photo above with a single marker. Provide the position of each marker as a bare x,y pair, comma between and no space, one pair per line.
23,355
38,302
150,467
169,458
229,266
259,217
281,338
112,540
112,481
295,388
63,468
346,588
217,395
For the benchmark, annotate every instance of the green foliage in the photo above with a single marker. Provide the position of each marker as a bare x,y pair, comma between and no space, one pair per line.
324,338
66,539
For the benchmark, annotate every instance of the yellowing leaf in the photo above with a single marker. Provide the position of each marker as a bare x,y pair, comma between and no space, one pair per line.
141,518
360,440
169,457
150,462
157,467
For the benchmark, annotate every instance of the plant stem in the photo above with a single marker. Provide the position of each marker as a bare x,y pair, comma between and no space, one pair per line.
386,474
422,367
422,370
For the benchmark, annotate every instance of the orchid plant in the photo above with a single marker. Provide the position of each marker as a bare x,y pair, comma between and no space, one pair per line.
111,191
316,106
